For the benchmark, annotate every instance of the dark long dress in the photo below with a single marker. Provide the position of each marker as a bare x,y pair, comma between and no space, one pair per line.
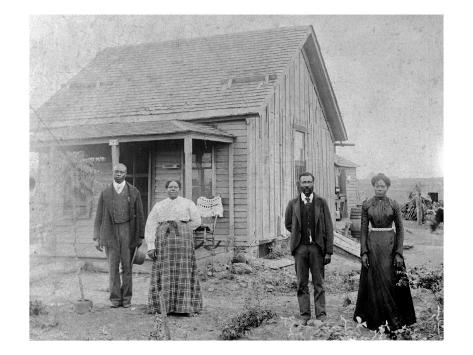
379,299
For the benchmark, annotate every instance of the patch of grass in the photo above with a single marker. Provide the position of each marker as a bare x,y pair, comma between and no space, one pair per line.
342,282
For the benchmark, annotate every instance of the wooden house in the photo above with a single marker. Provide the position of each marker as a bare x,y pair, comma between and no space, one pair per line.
346,186
237,115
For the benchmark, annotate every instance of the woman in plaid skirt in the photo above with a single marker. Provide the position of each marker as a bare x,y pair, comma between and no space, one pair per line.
168,234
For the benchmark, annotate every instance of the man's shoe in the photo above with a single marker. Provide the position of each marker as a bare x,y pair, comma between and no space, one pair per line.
126,305
321,317
115,305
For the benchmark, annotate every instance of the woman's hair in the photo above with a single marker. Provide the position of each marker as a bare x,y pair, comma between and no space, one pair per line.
176,181
381,176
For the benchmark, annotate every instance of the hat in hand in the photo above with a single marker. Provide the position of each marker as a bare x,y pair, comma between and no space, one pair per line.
138,257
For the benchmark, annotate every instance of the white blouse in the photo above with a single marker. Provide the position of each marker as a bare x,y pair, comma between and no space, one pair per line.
179,209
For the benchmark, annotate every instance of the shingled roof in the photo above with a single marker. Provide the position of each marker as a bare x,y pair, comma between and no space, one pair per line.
149,130
185,79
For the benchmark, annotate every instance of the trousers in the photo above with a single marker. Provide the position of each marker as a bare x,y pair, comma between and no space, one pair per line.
120,289
309,257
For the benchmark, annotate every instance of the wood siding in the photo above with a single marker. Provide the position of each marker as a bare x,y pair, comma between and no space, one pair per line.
238,129
293,106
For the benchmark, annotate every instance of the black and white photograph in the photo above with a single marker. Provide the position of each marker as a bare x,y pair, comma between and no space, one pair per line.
237,177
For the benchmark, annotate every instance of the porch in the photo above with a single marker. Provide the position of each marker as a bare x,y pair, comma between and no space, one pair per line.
198,155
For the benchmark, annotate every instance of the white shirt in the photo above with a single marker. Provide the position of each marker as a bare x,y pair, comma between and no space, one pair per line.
303,197
119,186
179,209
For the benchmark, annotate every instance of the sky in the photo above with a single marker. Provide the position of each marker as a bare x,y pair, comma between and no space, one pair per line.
386,71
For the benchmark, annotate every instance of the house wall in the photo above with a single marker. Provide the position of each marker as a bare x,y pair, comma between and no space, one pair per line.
294,105
240,152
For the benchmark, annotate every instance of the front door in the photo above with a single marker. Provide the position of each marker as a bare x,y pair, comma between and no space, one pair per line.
136,157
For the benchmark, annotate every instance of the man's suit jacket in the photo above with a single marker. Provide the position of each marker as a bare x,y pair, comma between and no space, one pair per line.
103,226
322,221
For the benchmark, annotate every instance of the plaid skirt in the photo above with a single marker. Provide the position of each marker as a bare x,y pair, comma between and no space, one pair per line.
174,272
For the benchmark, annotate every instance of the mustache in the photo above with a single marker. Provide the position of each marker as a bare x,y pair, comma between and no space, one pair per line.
307,189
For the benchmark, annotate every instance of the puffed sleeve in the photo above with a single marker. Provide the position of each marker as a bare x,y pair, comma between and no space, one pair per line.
399,228
364,228
194,214
151,226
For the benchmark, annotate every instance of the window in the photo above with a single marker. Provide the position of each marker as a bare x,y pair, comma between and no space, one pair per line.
202,164
136,159
299,154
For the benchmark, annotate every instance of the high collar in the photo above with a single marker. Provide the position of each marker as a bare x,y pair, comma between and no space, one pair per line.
303,197
119,186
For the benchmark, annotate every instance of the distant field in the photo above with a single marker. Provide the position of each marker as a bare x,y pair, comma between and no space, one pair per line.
400,188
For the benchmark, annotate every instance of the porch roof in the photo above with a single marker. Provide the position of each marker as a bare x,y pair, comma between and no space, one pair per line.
127,132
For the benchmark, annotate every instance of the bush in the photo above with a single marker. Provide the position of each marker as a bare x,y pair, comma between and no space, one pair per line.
277,250
244,321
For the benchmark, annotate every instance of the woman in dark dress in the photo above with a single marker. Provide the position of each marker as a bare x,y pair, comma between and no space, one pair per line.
380,298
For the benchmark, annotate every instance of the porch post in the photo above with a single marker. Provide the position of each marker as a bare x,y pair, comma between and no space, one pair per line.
188,167
231,203
115,151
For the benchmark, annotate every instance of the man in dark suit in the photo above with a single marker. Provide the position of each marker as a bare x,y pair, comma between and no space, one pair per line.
309,221
119,227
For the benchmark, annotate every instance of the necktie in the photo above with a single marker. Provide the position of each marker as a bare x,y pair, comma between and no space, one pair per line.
307,206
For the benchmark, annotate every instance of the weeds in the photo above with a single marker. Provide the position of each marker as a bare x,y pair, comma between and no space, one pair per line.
253,314
421,277
37,308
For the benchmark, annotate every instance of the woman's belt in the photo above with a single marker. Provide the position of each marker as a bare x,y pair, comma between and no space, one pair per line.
169,225
382,229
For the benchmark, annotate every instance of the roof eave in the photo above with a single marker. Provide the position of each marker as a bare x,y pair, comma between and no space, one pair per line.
324,87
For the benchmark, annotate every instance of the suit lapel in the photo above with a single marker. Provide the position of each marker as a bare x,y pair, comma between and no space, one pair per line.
316,206
297,209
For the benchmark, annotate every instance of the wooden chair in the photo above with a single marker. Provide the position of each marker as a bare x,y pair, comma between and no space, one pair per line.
210,209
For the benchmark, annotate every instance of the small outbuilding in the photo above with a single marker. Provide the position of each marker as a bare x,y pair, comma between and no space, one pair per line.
346,186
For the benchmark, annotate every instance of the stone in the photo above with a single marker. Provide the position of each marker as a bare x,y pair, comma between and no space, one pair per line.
241,268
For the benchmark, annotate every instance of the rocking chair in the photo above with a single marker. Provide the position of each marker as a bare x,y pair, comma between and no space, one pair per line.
210,209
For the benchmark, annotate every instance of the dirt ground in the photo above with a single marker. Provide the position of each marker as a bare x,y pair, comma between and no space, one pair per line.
54,284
